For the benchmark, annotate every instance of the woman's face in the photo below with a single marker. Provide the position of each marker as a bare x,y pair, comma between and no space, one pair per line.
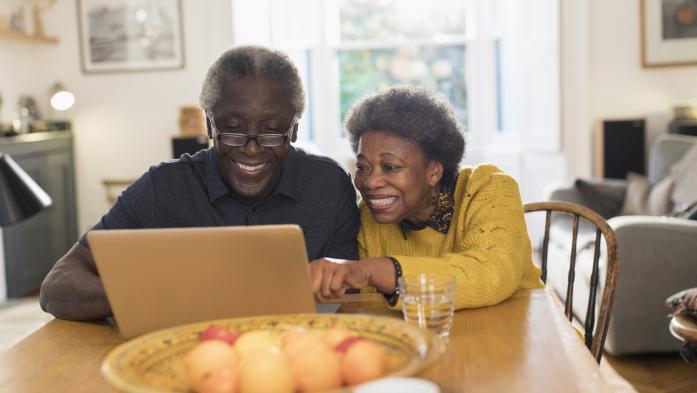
395,179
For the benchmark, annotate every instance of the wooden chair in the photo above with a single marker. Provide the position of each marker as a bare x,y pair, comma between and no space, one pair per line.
594,339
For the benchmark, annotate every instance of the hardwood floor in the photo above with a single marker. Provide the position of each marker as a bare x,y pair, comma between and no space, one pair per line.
664,373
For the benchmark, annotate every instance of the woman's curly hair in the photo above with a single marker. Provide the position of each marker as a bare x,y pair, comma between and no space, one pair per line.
415,114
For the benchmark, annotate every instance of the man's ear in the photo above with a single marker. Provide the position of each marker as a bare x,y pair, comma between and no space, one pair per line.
434,171
294,133
209,127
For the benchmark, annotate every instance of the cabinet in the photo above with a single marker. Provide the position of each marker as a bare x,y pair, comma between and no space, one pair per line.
31,247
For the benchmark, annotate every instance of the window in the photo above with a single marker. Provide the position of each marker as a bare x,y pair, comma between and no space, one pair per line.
388,42
474,52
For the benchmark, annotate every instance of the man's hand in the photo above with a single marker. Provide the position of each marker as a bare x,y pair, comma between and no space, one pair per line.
332,277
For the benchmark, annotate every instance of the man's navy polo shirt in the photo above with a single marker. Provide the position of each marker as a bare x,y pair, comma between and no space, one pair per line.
313,192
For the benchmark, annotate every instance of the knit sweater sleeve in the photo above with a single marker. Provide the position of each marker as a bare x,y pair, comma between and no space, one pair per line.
491,256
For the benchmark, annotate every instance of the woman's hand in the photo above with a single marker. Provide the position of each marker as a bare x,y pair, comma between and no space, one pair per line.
331,277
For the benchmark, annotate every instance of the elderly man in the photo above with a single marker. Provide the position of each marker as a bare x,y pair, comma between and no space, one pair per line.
253,98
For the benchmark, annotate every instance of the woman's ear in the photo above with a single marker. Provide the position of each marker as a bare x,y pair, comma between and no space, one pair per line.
434,171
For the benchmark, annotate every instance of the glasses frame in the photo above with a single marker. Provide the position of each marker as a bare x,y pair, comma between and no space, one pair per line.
218,135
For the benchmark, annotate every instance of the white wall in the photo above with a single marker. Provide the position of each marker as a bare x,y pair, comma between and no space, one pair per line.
611,77
122,122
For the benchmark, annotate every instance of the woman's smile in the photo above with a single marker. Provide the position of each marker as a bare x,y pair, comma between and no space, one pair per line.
380,202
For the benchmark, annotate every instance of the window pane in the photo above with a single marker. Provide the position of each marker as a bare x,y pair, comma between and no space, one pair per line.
509,89
395,19
301,59
441,68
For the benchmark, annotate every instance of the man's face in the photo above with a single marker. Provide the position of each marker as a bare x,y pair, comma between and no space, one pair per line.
252,107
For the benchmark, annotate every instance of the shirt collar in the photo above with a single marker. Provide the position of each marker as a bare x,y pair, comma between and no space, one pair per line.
442,215
287,184
216,186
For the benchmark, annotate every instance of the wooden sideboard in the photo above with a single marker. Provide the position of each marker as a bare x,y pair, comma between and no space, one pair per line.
32,247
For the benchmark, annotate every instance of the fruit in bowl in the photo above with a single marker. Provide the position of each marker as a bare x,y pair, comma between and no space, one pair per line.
298,360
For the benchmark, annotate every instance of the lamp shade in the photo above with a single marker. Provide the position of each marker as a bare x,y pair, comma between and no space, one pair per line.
20,196
61,99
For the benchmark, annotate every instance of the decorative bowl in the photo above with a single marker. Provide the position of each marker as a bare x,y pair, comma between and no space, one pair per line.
153,362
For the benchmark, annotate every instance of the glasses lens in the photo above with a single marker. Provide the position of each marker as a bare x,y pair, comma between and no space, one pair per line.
271,140
233,139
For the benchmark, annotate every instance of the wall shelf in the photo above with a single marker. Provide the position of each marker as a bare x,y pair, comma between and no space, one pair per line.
19,36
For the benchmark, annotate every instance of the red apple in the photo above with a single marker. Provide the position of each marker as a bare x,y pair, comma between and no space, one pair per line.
217,332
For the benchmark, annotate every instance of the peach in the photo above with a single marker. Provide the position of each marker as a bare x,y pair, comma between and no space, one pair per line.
226,380
363,361
316,368
217,332
208,357
253,341
266,371
299,341
337,334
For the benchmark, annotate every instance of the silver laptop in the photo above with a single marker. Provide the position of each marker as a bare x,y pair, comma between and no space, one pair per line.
159,278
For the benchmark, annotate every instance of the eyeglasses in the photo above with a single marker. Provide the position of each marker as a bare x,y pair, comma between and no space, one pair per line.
264,140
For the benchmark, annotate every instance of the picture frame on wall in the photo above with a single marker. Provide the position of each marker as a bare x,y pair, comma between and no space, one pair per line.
130,35
669,33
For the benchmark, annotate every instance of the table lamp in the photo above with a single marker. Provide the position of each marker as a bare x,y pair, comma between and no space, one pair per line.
20,196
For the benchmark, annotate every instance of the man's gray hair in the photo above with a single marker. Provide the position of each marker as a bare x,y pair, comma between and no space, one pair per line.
255,61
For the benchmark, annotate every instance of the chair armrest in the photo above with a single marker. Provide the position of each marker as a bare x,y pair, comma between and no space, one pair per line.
657,258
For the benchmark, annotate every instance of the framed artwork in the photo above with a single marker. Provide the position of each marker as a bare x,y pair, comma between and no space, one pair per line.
130,35
668,32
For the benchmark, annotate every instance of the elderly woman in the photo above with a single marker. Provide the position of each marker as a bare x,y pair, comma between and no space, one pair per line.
420,213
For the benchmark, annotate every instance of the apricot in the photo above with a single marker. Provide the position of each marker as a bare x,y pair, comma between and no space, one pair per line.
253,341
363,361
266,371
217,332
207,357
316,368
222,381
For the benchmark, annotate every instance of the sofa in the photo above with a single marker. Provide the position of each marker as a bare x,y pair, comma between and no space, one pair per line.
657,257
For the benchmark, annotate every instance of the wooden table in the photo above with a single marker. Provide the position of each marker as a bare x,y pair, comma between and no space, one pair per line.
521,345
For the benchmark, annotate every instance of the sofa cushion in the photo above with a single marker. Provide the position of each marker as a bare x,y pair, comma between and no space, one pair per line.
642,198
604,199
685,174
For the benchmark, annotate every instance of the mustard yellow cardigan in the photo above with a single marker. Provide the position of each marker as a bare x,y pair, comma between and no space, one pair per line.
486,248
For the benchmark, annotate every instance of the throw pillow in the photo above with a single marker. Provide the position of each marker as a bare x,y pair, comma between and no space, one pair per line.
606,200
685,174
644,199
689,212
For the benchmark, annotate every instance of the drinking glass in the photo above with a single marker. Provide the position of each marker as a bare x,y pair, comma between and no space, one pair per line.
428,300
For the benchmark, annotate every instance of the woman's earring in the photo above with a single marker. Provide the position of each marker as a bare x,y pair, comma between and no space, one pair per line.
434,198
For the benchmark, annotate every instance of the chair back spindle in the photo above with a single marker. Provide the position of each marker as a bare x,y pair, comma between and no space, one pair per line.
594,333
